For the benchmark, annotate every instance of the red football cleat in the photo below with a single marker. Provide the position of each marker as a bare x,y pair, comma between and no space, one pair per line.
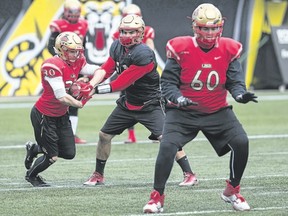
232,195
155,204
95,179
189,179
79,140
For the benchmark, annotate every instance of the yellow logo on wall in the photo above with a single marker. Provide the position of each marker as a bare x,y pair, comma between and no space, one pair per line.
25,50
23,53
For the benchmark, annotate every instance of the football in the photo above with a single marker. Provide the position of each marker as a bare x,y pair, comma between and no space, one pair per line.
75,88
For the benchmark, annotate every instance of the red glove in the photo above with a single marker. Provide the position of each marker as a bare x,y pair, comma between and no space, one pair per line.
85,100
85,91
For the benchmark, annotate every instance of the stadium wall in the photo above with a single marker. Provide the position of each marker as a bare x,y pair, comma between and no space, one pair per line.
25,32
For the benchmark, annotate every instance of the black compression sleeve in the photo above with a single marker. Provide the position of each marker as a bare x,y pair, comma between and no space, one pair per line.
51,43
235,83
170,80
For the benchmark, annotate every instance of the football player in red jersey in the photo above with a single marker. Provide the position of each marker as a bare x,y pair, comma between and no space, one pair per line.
71,21
198,73
148,38
49,115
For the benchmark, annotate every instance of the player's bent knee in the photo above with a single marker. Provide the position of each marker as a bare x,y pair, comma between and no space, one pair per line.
240,142
105,138
68,155
169,147
241,139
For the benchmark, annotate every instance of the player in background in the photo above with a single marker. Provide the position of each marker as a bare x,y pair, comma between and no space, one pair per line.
149,35
136,66
198,74
71,21
49,115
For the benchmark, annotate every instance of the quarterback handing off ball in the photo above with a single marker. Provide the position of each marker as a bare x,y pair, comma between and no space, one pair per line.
75,89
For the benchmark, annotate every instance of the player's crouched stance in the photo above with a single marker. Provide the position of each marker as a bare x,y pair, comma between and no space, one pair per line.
49,115
203,69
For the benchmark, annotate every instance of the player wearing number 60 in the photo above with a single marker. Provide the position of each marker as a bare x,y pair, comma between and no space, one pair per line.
199,72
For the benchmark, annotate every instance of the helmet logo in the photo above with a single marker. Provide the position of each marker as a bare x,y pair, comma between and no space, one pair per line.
64,38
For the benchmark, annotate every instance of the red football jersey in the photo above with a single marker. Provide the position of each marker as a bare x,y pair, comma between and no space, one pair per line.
62,25
148,33
56,67
203,74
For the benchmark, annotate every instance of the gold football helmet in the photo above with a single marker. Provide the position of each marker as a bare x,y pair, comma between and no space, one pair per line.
68,46
207,24
131,23
72,10
131,9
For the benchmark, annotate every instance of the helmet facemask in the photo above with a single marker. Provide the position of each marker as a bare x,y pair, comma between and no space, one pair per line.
131,30
207,24
68,46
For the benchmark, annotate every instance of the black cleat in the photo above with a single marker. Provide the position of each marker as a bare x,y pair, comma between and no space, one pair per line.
30,155
36,181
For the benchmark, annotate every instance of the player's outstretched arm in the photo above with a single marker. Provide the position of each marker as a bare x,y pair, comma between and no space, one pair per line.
98,77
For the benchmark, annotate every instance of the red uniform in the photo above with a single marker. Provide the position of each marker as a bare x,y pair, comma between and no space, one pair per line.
47,104
203,75
81,29
62,25
148,33
198,74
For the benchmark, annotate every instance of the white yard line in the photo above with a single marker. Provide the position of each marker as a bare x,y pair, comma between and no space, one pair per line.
272,136
101,100
213,212
77,184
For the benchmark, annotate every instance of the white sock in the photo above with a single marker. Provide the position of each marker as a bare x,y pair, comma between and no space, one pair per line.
74,123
